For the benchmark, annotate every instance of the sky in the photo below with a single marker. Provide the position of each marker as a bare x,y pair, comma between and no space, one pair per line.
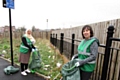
60,13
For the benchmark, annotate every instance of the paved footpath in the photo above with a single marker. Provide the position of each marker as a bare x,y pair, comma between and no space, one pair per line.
16,76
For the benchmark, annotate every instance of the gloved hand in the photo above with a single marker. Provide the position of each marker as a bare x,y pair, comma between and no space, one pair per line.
77,64
75,56
36,49
33,50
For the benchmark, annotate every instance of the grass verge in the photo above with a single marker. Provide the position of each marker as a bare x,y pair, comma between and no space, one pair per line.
51,59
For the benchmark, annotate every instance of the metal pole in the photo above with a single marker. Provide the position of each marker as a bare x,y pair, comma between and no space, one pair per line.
72,46
47,29
107,52
10,24
56,41
61,43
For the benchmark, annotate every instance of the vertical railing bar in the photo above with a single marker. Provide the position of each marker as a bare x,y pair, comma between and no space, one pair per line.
72,46
107,52
100,67
110,62
96,69
115,65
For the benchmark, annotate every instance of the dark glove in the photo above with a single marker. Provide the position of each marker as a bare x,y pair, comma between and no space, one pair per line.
33,47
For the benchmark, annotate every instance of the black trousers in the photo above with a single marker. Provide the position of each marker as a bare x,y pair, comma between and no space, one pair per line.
85,75
23,66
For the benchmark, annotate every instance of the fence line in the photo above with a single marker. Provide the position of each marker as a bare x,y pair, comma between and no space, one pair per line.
19,34
107,68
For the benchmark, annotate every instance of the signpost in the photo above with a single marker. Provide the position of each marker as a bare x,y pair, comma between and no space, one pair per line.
10,4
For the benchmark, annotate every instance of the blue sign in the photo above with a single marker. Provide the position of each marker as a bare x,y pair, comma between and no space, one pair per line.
10,4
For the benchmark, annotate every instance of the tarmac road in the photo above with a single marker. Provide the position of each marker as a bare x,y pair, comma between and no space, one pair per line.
16,76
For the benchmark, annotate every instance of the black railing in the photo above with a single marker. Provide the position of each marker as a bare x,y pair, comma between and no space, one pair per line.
107,52
104,60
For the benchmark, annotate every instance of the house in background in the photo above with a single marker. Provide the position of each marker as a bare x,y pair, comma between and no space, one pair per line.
5,31
7,28
1,29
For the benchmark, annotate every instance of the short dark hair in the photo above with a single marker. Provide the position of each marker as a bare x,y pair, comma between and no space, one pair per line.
89,28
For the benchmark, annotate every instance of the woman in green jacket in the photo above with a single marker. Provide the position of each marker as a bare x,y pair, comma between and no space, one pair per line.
87,53
26,48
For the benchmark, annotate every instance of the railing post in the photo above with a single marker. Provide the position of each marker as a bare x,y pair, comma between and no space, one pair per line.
56,41
119,74
72,45
107,52
50,38
61,43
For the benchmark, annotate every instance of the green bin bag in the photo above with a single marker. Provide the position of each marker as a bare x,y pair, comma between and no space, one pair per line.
35,61
10,70
70,72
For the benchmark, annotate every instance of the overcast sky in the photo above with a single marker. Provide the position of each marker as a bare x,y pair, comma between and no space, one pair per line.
60,13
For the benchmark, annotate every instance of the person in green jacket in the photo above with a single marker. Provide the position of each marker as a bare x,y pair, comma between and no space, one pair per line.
87,53
26,48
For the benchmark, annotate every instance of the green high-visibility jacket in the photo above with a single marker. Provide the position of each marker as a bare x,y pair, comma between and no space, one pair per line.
84,52
23,48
